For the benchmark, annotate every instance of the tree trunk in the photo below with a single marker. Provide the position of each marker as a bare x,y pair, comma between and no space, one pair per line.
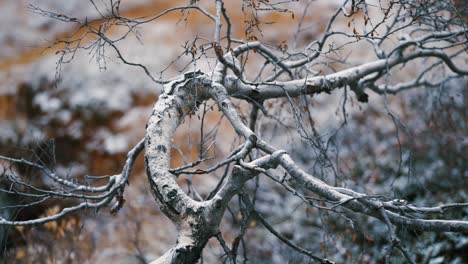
194,233
192,218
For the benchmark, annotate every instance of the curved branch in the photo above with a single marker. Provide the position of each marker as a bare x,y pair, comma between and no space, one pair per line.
328,83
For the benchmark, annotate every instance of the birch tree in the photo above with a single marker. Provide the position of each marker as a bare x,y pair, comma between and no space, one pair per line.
428,38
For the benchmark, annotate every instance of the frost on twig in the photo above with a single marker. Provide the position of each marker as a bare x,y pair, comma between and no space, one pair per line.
423,43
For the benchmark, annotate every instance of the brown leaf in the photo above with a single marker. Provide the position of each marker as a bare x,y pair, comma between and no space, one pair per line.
235,243
20,228
368,238
356,33
20,253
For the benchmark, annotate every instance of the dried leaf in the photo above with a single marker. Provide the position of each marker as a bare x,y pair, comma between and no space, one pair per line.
368,238
20,253
235,243
20,228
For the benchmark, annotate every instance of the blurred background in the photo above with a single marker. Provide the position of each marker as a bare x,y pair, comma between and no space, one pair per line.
83,116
